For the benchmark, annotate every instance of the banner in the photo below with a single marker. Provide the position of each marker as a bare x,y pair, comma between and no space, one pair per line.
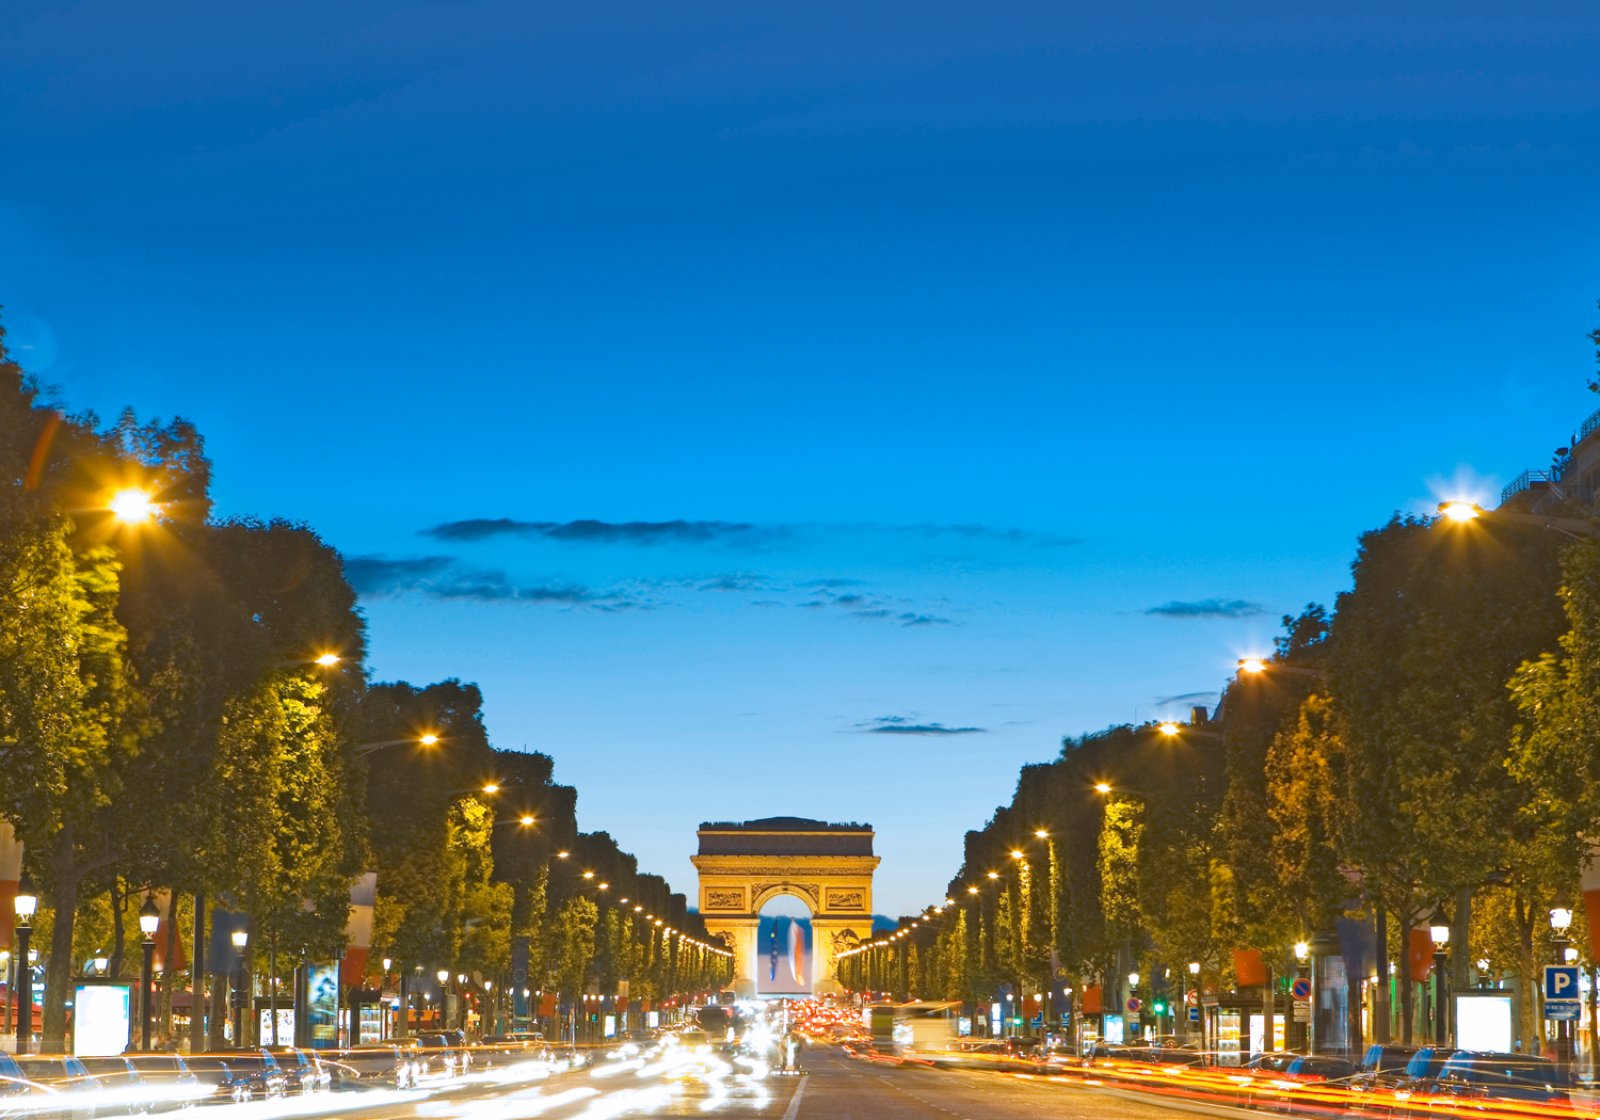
1420,945
358,929
180,960
10,875
1249,968
1590,884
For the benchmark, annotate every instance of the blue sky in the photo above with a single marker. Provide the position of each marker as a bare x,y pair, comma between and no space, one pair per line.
810,408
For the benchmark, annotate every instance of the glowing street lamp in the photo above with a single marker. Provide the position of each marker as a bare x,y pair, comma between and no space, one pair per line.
1102,787
149,920
327,660
241,940
24,905
132,506
1439,932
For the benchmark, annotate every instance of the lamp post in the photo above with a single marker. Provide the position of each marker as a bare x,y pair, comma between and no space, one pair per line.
1302,971
1560,922
1199,999
1439,931
240,939
26,903
149,919
443,976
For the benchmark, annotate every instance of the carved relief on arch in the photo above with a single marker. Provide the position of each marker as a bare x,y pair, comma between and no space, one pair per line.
763,893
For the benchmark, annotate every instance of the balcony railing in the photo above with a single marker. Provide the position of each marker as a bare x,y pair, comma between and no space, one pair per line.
1527,480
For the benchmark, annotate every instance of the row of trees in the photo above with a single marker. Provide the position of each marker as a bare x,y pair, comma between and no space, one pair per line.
165,724
1433,743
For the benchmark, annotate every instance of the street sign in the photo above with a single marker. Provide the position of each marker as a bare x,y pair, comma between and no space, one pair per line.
1036,1022
1301,988
1567,1009
1134,1003
1194,1014
1560,982
1302,1011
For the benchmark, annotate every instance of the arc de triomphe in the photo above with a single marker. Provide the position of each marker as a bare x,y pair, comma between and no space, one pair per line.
828,867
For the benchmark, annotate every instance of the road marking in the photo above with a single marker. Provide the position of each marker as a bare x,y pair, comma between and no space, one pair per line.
794,1102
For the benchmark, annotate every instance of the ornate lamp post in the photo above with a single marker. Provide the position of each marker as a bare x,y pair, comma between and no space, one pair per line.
241,939
443,976
149,919
1439,931
26,903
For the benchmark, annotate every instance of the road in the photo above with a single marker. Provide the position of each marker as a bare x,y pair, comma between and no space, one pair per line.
832,1087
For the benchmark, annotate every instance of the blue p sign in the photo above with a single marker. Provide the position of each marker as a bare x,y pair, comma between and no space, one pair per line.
1561,982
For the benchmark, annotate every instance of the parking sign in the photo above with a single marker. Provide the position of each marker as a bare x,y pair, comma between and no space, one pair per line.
1561,982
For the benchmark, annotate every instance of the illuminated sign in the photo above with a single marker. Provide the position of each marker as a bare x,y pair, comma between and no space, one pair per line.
102,1019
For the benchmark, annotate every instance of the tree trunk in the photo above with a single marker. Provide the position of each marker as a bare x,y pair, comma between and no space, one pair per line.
1408,995
1268,1035
169,971
118,897
1380,997
1461,944
1527,1019
64,879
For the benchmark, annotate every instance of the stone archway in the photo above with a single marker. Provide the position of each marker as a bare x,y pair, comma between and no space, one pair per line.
829,867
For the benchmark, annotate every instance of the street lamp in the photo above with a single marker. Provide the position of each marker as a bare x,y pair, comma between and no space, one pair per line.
1560,922
241,940
149,919
132,506
25,904
443,976
1302,957
1439,931
1199,999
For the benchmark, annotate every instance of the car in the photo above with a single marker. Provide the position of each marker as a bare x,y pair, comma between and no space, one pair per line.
255,1072
1381,1071
12,1083
121,1087
302,1071
375,1064
443,1053
62,1077
1483,1075
168,1082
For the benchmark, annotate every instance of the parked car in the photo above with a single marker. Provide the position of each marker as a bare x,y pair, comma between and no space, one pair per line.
168,1082
1381,1072
256,1072
1485,1076
215,1081
443,1054
387,1065
122,1090
65,1079
302,1072
13,1085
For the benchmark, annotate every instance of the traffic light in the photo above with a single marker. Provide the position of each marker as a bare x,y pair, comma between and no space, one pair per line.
1159,1007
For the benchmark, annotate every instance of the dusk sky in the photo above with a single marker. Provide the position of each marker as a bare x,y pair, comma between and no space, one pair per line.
816,409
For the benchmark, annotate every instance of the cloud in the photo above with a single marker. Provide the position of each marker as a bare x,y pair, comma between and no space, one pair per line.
738,582
735,534
589,531
904,725
439,577
378,575
1208,608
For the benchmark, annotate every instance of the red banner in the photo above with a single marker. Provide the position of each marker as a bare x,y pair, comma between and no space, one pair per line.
353,969
1420,945
1093,1002
1249,968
